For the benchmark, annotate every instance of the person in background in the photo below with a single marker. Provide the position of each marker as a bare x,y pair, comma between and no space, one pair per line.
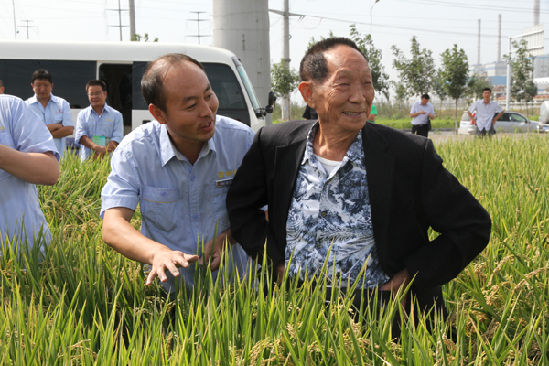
99,127
53,111
486,113
179,169
310,113
28,156
373,114
2,87
352,194
422,113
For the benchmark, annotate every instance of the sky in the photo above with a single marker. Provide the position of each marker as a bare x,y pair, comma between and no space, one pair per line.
437,24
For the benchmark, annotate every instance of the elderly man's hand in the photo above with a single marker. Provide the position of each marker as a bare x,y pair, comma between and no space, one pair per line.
400,279
167,259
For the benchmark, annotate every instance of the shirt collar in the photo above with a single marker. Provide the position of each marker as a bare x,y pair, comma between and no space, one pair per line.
354,154
169,151
102,110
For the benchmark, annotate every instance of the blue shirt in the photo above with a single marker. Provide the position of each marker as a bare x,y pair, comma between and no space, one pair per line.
20,214
330,217
58,110
108,124
181,203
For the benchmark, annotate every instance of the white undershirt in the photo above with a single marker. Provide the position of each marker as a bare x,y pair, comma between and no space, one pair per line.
328,165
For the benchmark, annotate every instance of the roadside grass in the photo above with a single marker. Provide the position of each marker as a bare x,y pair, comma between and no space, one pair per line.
86,304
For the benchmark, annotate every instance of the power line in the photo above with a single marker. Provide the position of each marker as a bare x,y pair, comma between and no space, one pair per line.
197,20
119,26
27,22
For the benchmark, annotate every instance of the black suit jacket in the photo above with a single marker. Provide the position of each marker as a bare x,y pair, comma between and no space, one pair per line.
409,189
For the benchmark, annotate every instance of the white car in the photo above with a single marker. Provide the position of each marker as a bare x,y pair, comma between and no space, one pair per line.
508,122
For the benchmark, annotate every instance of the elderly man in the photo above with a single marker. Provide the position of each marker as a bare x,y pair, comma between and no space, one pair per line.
178,168
486,113
354,191
27,157
99,127
54,112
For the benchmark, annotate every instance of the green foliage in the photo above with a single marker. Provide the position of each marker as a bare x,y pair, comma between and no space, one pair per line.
86,304
417,73
284,79
380,79
475,85
454,71
522,83
453,74
145,38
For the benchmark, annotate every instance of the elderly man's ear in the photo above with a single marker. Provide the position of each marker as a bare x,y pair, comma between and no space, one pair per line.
306,90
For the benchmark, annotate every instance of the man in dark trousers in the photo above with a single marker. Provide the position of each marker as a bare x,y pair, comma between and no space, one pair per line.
353,192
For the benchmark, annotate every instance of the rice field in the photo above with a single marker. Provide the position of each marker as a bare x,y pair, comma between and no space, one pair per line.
86,304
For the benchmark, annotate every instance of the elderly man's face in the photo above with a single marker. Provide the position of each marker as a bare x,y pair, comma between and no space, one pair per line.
345,97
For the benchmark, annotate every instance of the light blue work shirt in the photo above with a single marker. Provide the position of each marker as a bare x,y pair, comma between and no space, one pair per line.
181,203
108,124
58,110
20,214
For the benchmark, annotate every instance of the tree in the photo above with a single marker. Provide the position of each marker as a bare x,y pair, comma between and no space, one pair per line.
475,85
145,38
522,83
417,73
284,80
453,73
380,79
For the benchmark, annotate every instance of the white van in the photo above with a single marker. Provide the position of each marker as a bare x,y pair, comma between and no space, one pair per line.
121,66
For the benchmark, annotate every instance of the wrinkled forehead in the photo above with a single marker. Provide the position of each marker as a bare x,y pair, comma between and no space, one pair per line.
344,59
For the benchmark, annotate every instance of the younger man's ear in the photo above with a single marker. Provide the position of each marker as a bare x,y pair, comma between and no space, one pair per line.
158,114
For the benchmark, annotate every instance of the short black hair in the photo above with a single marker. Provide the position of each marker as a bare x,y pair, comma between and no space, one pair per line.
152,83
100,83
314,66
425,96
486,89
41,74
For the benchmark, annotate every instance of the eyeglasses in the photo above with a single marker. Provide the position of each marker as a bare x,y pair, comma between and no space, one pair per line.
95,94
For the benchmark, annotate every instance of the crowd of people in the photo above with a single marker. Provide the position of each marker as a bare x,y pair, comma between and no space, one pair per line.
359,196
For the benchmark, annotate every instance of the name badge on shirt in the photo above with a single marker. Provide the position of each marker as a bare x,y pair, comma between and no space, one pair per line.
223,182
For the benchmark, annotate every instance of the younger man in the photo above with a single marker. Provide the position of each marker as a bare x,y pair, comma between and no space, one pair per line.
487,113
55,112
99,127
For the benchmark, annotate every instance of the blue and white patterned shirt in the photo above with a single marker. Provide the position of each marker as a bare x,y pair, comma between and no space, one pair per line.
330,213
181,203
108,124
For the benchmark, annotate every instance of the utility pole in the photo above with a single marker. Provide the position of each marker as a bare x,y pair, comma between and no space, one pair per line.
14,20
132,19
286,104
119,26
499,37
198,20
478,43
27,22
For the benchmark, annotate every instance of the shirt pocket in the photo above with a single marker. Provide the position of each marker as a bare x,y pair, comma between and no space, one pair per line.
160,207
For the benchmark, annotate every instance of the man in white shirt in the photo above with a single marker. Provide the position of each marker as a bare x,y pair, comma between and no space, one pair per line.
53,111
486,113
422,112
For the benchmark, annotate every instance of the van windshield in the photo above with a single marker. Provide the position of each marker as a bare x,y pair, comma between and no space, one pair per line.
247,84
223,81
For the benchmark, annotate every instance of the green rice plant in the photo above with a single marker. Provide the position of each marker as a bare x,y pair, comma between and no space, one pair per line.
83,303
